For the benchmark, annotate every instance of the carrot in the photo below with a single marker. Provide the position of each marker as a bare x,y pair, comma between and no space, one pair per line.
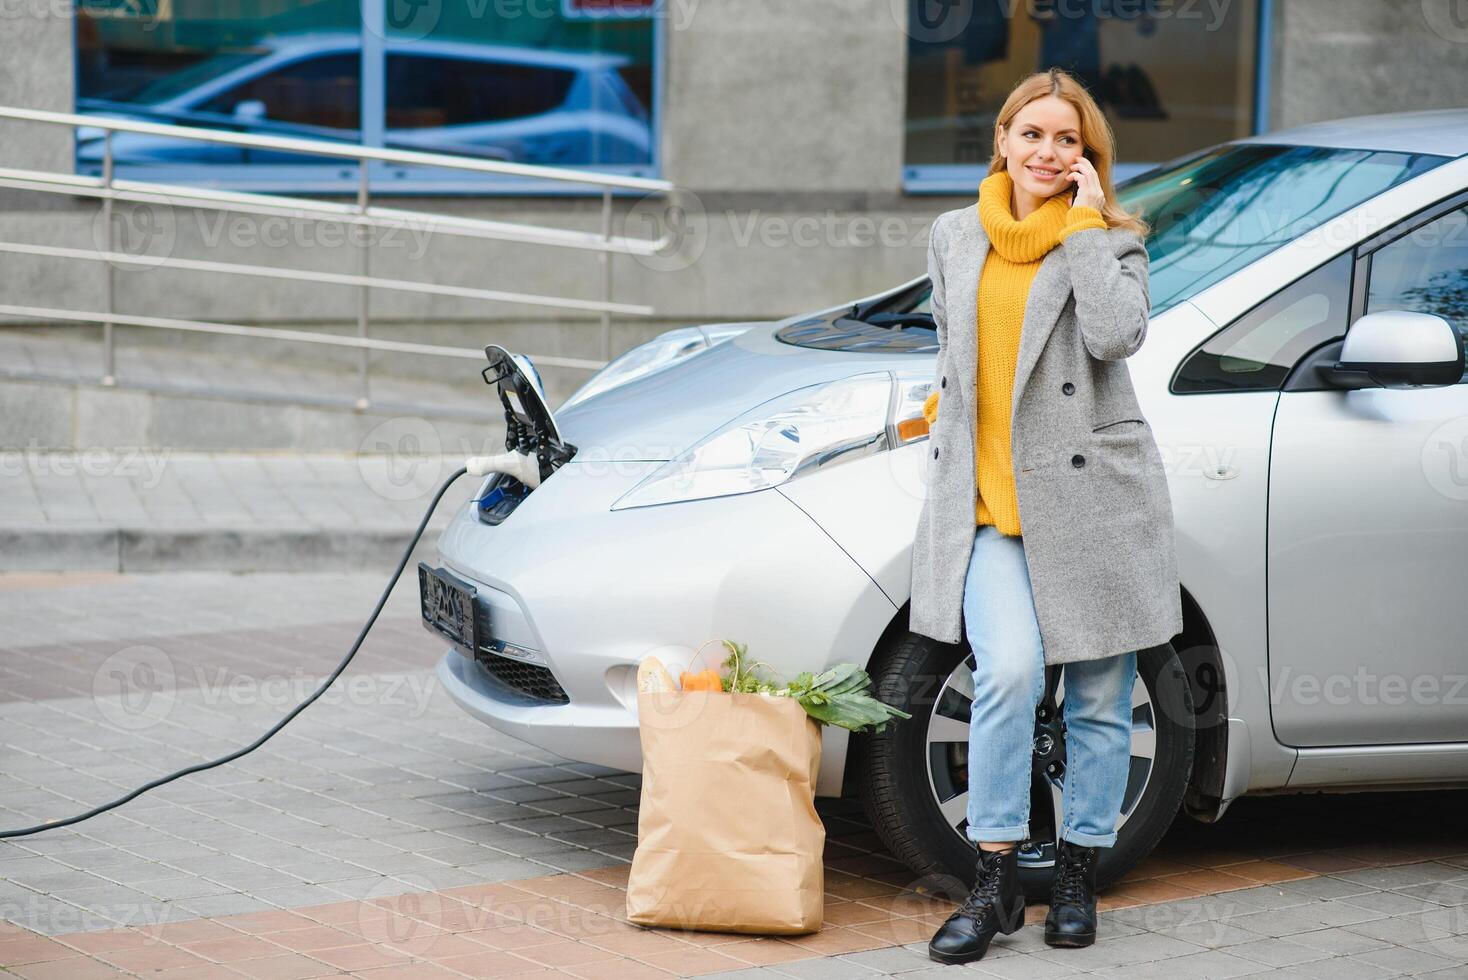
704,680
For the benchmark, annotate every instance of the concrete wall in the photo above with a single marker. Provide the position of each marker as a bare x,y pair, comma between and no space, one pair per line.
783,126
1335,58
783,123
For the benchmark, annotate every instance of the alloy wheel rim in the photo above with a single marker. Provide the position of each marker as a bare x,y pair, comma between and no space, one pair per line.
945,755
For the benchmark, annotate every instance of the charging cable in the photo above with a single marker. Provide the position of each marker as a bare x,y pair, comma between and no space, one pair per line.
478,463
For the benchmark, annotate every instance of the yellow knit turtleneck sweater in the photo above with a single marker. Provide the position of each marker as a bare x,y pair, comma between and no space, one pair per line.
1017,247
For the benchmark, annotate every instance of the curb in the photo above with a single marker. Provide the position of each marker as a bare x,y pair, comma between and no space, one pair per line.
212,548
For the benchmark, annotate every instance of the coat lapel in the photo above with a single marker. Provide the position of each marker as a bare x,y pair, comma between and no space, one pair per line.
963,266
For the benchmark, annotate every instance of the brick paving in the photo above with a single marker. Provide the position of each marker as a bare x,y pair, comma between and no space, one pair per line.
384,833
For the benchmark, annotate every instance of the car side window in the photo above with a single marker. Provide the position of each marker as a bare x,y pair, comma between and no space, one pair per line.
1257,351
1425,271
321,91
425,91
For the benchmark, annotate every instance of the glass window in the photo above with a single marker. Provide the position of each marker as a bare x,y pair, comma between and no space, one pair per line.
1258,349
313,91
1169,77
569,84
425,91
1425,271
1215,212
571,88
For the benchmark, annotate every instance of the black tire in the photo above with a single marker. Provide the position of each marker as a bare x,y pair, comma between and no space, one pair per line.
901,791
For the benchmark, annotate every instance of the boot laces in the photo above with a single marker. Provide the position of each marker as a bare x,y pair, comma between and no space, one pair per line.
985,893
1070,879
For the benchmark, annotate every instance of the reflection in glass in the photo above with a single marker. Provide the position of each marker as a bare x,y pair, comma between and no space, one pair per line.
563,84
1426,271
1256,352
559,86
1168,83
1214,213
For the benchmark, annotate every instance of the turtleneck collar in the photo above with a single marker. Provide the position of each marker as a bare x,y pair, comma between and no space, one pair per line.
1019,241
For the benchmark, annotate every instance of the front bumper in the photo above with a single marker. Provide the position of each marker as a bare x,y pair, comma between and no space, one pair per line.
589,593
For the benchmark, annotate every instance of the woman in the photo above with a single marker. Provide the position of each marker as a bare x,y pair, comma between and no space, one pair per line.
1043,283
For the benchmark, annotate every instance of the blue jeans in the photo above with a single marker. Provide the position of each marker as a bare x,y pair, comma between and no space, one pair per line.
1009,681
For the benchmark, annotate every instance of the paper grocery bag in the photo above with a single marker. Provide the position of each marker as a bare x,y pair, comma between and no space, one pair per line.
728,839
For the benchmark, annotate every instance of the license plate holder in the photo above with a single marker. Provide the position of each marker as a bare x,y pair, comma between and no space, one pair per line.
447,605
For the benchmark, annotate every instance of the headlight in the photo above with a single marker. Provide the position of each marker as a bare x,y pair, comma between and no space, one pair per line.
791,435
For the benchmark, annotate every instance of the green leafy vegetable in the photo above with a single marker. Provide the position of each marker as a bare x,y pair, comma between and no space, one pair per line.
840,695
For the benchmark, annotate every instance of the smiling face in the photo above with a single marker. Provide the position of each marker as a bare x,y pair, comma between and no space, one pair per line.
1039,145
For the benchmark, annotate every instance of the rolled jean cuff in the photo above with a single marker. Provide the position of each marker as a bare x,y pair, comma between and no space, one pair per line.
1089,840
1020,832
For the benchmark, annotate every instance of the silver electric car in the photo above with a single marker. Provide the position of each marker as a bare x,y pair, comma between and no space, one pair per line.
1303,375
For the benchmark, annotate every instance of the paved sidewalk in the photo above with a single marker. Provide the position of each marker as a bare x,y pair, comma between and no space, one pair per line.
384,833
151,509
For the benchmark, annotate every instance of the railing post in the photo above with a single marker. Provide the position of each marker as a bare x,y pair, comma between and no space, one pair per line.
109,363
363,291
606,272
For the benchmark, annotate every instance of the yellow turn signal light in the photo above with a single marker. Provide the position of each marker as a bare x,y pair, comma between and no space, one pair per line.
910,429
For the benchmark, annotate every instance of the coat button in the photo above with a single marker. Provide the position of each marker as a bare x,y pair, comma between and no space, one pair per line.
1068,388
1078,460
935,452
945,382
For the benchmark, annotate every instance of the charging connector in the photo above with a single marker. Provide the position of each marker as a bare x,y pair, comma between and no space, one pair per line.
522,466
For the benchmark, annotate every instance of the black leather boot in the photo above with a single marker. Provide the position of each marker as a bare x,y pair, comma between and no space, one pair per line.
1071,920
995,904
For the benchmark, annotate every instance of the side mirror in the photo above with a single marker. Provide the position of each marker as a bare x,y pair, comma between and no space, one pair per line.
1397,349
250,110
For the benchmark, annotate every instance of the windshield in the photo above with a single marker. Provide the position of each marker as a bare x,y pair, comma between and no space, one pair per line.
162,89
1214,212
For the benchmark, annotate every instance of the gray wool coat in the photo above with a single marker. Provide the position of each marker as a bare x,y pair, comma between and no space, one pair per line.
1095,513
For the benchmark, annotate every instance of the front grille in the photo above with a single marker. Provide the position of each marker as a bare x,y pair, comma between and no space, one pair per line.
531,680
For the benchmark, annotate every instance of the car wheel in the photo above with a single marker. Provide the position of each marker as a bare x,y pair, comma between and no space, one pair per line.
915,777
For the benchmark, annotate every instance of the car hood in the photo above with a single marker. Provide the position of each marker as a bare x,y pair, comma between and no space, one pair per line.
657,416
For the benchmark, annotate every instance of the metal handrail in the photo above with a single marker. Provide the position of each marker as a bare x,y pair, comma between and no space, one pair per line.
169,195
359,213
276,333
333,278
330,148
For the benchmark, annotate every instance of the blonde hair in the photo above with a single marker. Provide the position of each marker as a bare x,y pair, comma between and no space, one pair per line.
1099,145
